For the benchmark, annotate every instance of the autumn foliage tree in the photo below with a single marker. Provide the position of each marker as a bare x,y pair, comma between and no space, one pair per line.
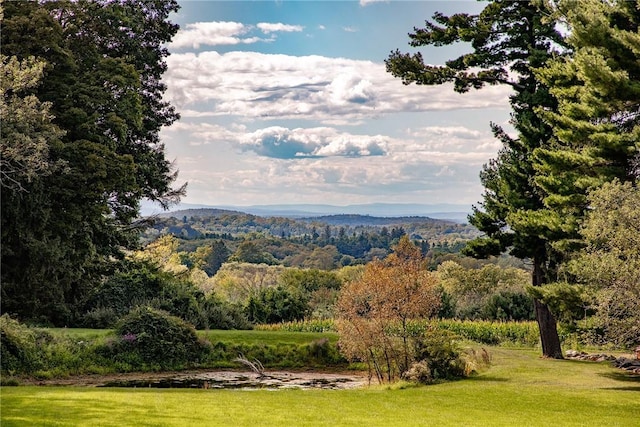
376,310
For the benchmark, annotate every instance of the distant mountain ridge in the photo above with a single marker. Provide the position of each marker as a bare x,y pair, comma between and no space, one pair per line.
453,212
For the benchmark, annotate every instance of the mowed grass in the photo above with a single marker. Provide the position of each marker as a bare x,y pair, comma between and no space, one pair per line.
266,337
520,389
232,336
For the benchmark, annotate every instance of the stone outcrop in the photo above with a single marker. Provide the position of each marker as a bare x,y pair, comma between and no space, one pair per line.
628,364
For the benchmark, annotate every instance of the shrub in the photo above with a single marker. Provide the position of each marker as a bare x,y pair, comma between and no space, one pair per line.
419,372
439,350
140,283
220,314
19,347
156,338
275,305
508,305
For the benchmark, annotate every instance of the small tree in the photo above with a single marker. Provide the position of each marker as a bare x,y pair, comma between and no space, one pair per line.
375,311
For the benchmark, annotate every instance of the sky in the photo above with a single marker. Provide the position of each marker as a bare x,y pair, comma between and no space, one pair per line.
286,102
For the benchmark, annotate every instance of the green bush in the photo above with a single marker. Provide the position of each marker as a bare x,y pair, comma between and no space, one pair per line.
275,305
438,349
155,338
220,314
137,284
19,351
508,305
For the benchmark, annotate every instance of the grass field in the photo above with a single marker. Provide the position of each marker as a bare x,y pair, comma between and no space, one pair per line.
231,336
267,337
520,389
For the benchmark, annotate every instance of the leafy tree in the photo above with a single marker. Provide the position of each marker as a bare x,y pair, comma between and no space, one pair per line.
610,264
236,282
509,41
102,87
275,305
319,288
218,256
489,292
249,252
27,130
375,311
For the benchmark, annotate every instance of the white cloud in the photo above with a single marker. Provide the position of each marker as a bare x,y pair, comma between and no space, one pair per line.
220,33
368,2
212,34
267,28
257,85
350,29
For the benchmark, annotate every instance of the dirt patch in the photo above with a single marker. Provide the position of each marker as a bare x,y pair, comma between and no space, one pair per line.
272,380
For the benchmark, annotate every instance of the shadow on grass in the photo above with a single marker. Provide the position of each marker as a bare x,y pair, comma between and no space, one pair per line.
625,377
487,378
637,389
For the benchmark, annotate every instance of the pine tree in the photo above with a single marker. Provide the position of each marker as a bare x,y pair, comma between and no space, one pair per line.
597,125
509,40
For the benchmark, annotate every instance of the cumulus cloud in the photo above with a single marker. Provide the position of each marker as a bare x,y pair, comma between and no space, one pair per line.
257,85
296,165
212,34
284,143
220,33
267,28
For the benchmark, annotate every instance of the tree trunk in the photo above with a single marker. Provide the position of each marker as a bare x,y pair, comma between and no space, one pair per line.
546,321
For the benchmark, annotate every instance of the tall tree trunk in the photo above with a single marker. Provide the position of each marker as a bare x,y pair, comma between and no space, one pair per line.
546,321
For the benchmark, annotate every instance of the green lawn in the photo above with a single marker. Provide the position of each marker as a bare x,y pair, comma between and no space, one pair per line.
266,337
520,389
233,336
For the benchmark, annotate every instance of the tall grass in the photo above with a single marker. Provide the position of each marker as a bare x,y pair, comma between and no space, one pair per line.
481,331
325,325
494,333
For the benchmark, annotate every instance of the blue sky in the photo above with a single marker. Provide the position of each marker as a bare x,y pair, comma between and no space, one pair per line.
289,102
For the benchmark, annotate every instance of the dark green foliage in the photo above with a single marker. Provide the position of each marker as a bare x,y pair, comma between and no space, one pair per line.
220,314
104,62
510,40
447,305
249,252
155,338
274,305
143,284
508,305
20,351
568,302
219,255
